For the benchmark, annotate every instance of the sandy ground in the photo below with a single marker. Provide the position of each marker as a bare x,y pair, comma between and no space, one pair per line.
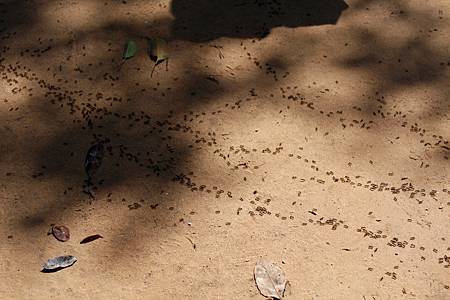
319,141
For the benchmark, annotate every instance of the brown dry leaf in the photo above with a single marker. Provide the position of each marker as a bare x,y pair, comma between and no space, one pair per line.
270,279
91,238
61,233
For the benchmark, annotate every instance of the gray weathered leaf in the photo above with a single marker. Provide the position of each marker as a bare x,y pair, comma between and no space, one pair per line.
270,279
59,262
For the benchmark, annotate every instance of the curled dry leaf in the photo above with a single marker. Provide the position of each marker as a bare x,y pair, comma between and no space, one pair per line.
157,51
61,233
91,238
270,279
59,262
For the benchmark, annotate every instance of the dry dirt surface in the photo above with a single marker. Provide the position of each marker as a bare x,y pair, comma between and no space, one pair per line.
309,133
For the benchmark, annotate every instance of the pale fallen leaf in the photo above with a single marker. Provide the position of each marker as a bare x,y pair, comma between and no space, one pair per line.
59,262
270,279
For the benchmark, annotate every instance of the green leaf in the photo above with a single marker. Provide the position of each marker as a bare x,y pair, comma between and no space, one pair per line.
129,50
157,51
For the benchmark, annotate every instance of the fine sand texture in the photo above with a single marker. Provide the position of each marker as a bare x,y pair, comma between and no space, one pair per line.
313,134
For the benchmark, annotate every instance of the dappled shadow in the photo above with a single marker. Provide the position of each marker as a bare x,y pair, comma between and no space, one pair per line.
407,62
152,124
401,63
203,20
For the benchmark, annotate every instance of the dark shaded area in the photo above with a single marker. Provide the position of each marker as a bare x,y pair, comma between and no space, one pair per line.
15,16
204,20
